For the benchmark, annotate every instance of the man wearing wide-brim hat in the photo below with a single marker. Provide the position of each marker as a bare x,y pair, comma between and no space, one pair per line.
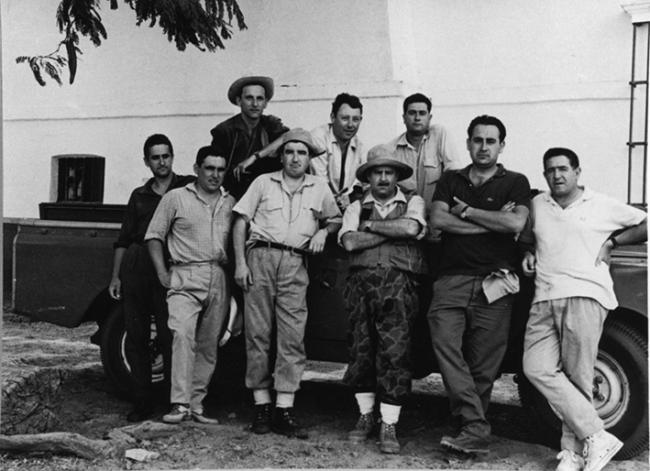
244,139
382,234
289,213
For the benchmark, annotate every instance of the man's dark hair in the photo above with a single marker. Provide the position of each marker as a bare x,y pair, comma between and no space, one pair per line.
416,98
154,140
561,151
205,152
346,99
487,120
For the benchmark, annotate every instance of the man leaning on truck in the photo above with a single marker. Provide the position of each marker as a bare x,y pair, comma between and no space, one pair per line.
134,279
573,232
195,223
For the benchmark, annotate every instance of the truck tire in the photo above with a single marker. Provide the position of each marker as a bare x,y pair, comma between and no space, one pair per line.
620,390
113,354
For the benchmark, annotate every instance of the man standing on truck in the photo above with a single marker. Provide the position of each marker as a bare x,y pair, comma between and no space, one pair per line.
573,231
381,232
479,210
195,223
249,139
344,153
288,212
425,147
134,280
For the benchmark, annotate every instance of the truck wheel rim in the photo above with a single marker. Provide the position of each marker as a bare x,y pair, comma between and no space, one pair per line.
611,389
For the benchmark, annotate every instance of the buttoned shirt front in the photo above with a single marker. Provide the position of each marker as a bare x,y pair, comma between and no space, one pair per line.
278,215
568,240
414,210
328,164
435,154
193,230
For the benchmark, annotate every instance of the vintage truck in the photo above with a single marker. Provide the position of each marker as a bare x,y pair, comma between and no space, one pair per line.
59,266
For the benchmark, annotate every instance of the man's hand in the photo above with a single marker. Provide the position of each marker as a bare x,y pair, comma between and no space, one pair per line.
317,242
459,207
364,226
115,289
165,278
243,277
528,264
605,252
508,207
243,167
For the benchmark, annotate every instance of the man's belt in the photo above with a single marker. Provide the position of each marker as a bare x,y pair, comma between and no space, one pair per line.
277,245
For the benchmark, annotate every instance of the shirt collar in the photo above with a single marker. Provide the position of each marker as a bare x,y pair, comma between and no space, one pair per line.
147,188
277,177
191,187
403,142
587,194
398,198
464,172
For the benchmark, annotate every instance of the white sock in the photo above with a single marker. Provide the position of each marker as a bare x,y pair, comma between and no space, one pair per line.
284,400
261,396
366,402
389,413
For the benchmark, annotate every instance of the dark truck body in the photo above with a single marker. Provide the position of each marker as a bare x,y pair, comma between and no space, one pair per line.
61,269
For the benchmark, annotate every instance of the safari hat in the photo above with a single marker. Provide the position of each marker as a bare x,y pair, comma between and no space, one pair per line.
301,135
380,156
238,85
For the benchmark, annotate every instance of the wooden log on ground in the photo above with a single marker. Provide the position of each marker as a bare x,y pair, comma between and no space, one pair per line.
56,442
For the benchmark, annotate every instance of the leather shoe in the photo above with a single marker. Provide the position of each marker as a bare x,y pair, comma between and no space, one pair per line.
284,423
362,429
262,421
388,439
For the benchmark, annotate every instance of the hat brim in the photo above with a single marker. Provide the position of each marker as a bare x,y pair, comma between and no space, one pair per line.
313,149
238,85
403,171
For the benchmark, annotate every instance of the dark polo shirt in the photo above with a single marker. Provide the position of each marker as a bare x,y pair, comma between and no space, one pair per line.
480,254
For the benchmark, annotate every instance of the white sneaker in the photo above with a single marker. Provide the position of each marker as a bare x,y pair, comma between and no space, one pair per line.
569,461
178,414
598,449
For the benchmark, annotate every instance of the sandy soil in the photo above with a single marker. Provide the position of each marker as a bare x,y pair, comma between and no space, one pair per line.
88,404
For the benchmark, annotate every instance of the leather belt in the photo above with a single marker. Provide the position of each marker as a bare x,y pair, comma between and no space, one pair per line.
277,245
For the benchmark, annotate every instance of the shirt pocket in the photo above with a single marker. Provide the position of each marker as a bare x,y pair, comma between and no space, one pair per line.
310,214
432,170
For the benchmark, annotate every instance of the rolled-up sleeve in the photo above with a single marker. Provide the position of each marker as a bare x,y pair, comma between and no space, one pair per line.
329,209
415,211
350,220
162,218
247,205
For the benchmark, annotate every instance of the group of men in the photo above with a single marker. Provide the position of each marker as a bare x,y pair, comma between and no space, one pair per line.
398,202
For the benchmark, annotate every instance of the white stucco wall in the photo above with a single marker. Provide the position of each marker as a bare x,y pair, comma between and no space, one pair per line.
556,72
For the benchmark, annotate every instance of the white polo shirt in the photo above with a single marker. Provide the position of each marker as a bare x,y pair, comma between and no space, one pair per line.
568,241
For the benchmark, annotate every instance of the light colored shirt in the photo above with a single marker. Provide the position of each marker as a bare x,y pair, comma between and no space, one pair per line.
328,164
567,242
193,231
276,214
414,210
436,154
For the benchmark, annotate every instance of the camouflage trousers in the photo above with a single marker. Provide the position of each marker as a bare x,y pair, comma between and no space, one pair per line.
382,304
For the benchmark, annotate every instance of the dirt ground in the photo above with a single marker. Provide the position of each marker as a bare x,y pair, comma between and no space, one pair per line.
88,404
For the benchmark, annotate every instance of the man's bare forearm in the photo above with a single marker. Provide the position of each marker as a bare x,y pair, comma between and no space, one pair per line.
395,228
356,240
155,248
499,221
634,234
239,240
447,222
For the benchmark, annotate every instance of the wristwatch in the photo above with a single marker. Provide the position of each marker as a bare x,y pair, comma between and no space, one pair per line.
257,155
463,213
614,241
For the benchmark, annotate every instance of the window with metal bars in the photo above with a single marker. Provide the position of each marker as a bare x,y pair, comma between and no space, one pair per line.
79,178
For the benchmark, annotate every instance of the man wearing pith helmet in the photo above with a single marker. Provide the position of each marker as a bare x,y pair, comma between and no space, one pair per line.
382,233
285,215
244,139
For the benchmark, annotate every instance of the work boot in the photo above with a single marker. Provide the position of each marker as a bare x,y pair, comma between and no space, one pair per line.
388,439
569,461
598,449
284,423
466,442
262,422
362,429
178,414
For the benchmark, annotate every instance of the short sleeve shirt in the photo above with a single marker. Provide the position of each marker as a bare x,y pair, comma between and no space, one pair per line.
277,215
328,164
193,231
435,155
568,241
480,254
